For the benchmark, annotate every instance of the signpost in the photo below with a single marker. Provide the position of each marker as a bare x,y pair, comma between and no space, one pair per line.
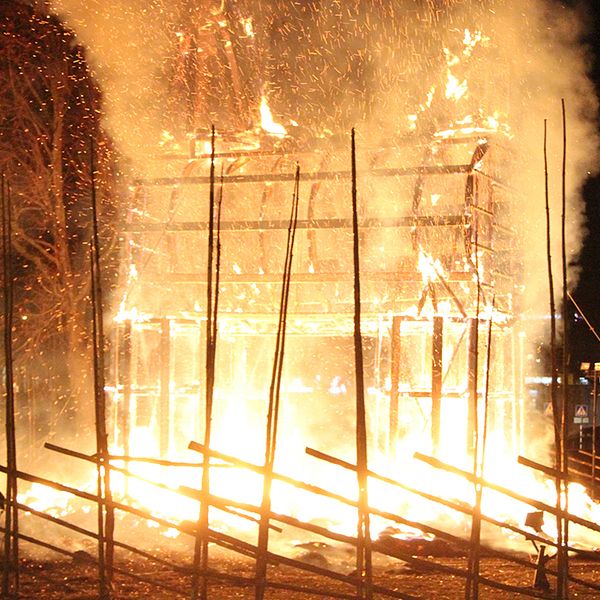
582,414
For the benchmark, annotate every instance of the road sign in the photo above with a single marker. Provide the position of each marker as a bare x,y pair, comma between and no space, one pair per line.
581,410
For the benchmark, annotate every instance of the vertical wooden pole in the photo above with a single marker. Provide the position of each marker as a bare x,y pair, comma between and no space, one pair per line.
594,425
564,571
437,346
105,509
200,565
394,383
472,586
522,409
472,375
10,580
554,381
31,408
125,381
363,554
165,381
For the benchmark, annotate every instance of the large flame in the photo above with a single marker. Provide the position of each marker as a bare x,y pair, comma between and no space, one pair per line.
266,120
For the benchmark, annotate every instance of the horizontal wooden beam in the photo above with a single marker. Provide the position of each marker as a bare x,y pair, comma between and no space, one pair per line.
451,220
422,170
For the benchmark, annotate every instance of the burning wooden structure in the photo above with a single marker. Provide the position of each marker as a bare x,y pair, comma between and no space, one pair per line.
440,278
437,248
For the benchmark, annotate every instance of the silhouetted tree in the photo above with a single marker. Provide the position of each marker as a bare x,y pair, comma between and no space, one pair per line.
49,111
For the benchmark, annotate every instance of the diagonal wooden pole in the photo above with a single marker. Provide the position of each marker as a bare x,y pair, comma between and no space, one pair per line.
364,565
274,402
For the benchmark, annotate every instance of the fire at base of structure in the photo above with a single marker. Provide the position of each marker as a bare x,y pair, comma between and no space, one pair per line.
437,251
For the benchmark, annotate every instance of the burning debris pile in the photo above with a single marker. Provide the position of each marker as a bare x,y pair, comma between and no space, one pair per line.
376,334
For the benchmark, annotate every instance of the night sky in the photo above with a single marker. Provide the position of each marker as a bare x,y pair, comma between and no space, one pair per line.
585,346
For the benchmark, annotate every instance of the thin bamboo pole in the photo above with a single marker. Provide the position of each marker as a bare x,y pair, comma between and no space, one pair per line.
554,381
473,443
594,425
394,384
364,566
105,512
10,580
564,558
274,400
200,563
479,465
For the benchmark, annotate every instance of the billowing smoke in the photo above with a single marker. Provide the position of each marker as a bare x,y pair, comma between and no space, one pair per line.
129,46
383,67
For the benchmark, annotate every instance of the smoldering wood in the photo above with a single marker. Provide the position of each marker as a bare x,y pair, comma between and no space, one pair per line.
186,529
384,549
147,555
459,507
378,546
94,535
